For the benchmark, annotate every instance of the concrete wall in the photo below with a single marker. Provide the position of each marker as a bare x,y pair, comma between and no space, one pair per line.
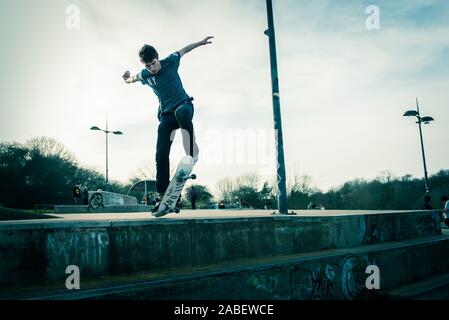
339,275
112,202
110,198
36,253
113,199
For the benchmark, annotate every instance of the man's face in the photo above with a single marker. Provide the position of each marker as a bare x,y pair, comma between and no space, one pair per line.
153,66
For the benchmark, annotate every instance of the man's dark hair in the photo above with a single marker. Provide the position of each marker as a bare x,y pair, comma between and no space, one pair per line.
148,53
444,198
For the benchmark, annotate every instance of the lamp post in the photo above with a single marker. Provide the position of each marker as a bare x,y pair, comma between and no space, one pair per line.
425,120
281,178
95,128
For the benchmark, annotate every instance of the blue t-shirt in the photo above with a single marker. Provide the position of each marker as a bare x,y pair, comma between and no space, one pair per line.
166,84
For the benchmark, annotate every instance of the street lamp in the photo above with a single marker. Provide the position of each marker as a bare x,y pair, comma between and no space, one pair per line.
425,120
95,128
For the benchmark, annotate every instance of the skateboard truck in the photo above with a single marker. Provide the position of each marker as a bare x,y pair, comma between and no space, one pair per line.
292,213
181,178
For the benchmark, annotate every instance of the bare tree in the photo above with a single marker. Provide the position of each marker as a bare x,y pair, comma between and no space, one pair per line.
385,176
295,182
50,147
303,184
147,171
226,187
248,180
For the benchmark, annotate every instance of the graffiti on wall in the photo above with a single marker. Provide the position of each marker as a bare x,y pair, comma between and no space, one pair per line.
345,279
352,281
323,283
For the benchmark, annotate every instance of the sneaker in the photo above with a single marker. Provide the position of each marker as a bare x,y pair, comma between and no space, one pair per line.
178,205
156,207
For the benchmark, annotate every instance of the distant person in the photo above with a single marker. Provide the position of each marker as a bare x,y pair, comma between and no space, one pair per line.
445,201
311,206
76,194
151,199
193,196
85,197
427,205
221,205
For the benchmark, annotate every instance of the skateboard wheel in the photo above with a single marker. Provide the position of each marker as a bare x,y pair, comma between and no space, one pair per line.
193,176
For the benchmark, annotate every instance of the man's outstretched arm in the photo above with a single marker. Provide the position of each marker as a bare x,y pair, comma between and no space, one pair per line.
192,46
128,78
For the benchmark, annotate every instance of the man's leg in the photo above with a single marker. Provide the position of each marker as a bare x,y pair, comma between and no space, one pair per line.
165,135
184,116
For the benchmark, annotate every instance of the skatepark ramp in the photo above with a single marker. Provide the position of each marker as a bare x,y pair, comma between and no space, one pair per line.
230,255
104,202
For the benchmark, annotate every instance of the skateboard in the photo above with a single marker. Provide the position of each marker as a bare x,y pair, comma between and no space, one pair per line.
174,189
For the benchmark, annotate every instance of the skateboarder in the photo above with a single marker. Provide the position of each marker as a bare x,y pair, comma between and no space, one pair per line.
175,107
193,195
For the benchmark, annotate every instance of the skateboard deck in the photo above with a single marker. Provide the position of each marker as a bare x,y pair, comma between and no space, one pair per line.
174,189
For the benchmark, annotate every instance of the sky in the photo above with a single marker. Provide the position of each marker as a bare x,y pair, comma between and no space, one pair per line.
344,83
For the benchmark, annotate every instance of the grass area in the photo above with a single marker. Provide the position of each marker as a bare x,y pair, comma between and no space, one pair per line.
15,214
41,211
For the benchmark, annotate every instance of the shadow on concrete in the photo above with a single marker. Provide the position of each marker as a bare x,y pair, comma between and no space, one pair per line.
15,214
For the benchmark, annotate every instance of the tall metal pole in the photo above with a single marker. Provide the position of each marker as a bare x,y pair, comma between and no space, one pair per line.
281,179
426,180
107,169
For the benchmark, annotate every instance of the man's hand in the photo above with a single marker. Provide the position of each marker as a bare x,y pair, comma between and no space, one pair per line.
206,41
128,79
192,46
127,75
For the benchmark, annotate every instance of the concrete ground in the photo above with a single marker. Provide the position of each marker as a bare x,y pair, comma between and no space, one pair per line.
196,214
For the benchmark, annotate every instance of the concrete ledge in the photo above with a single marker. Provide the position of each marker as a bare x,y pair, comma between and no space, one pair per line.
39,252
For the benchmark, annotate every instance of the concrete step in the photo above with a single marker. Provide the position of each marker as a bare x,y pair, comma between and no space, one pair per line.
433,288
325,274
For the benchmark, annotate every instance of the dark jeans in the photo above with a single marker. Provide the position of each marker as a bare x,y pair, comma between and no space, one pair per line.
181,118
